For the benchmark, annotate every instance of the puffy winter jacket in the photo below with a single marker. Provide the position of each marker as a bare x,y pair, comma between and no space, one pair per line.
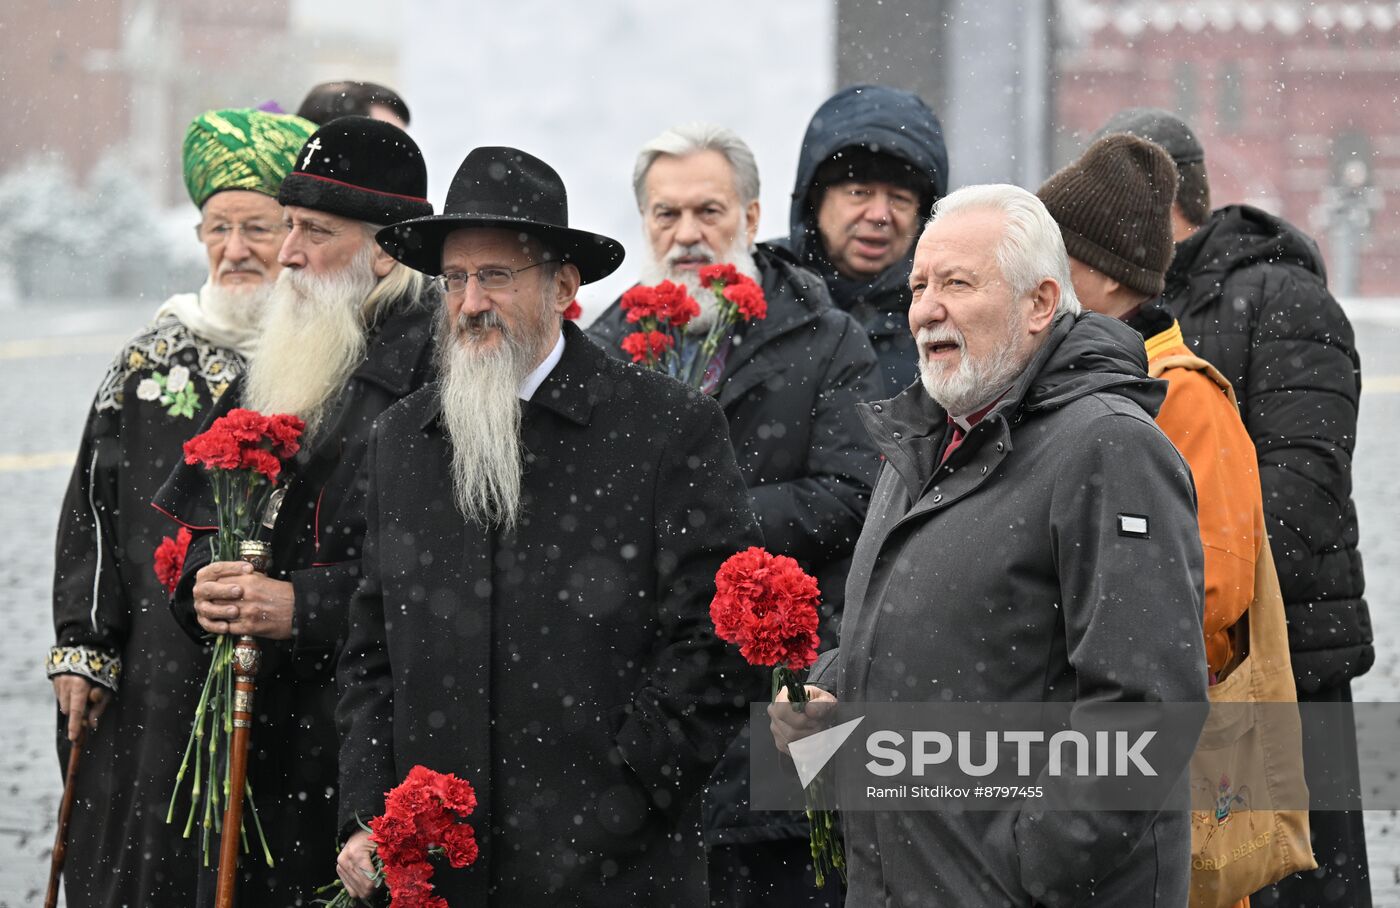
1251,295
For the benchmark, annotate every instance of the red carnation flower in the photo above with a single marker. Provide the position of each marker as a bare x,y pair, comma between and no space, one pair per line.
748,299
767,605
245,426
646,345
410,884
639,303
246,440
456,794
421,818
285,431
573,312
262,462
170,559
215,449
460,844
674,304
723,274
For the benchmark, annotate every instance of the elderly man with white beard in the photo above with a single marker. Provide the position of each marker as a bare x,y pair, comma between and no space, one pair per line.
544,527
1032,538
118,655
788,385
347,334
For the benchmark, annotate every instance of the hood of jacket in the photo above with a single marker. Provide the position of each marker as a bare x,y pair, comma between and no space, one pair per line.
1238,236
876,117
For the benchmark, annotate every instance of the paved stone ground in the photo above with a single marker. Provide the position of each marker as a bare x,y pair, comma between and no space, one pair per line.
50,364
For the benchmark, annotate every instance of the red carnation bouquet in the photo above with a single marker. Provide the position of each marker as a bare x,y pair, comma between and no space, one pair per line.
421,819
243,452
661,314
170,559
767,606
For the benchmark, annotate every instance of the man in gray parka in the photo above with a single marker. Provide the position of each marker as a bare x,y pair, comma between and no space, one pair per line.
1032,538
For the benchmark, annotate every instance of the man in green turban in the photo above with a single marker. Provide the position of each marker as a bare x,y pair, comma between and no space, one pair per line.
119,654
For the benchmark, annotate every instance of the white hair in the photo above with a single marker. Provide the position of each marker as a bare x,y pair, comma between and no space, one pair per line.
696,137
401,282
1031,248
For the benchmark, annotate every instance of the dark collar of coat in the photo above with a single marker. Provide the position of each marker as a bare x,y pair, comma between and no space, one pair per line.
571,390
401,345
795,297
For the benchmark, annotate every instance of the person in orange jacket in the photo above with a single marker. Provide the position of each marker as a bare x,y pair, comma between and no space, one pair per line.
1113,206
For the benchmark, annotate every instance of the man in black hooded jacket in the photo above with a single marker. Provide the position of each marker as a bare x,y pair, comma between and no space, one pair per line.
1250,293
872,164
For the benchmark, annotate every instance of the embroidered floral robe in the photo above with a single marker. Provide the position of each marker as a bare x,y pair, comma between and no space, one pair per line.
113,625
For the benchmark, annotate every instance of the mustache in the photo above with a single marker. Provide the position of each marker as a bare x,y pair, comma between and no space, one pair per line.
472,326
699,250
944,334
252,266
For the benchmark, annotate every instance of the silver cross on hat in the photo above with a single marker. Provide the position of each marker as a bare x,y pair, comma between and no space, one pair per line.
312,147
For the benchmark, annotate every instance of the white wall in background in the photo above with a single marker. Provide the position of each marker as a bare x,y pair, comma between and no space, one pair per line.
583,84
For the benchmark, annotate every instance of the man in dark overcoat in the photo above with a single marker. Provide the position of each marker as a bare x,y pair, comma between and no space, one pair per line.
346,336
1032,538
789,384
543,528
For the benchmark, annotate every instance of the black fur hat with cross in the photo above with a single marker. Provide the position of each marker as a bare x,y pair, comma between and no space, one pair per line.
362,169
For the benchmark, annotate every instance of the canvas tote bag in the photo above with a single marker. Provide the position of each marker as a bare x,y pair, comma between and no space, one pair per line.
1249,759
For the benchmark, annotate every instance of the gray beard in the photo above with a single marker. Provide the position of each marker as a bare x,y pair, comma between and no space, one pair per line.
314,336
241,307
480,393
977,381
654,271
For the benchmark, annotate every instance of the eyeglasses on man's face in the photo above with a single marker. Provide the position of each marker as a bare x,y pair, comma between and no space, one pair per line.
454,283
255,233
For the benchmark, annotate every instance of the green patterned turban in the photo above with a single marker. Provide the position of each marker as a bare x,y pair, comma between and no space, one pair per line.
241,149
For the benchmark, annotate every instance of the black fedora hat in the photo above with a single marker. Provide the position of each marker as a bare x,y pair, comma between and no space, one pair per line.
506,189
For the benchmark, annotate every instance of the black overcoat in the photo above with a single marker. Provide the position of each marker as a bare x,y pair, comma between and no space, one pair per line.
567,669
1000,575
789,390
316,542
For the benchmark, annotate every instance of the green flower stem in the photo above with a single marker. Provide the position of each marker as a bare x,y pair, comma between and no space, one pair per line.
240,498
828,849
189,748
257,823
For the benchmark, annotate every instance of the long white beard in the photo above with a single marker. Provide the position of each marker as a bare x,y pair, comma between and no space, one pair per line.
976,382
480,389
313,337
655,270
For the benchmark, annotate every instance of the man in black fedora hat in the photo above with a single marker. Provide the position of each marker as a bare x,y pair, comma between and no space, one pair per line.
544,527
346,335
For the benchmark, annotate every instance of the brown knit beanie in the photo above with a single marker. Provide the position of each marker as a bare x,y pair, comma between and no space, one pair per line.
1114,206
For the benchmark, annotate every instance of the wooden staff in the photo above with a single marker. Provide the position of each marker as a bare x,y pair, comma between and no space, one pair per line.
246,658
65,813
